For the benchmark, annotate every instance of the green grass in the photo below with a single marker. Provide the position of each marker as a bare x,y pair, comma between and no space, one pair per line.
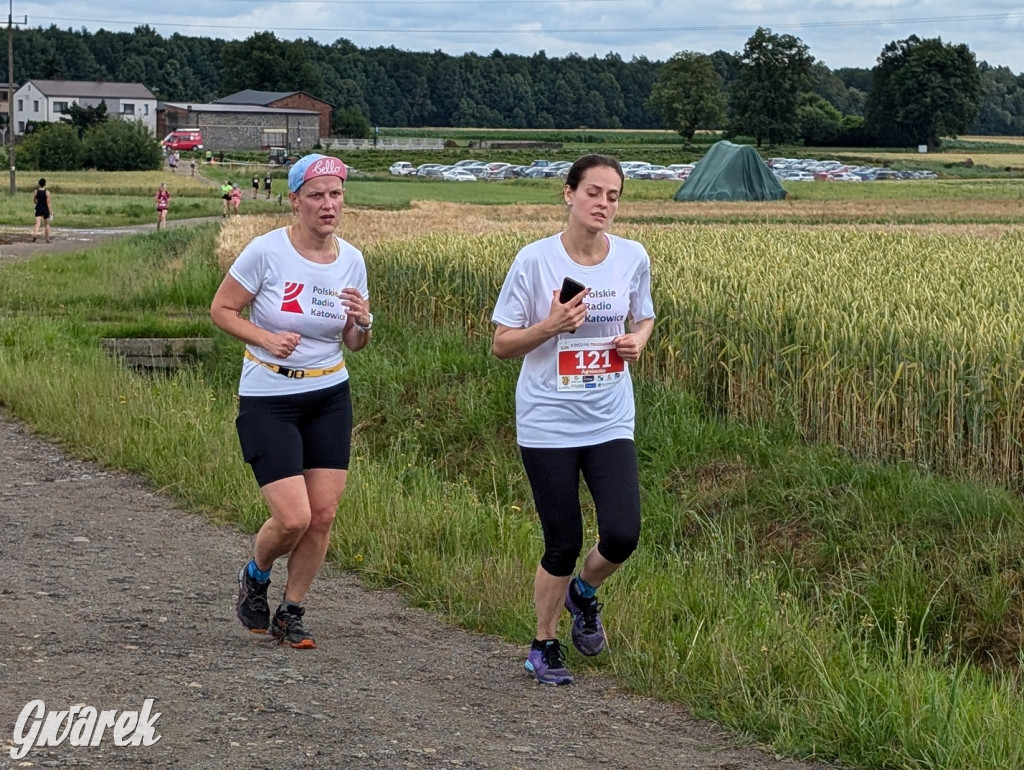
87,199
98,199
87,211
159,292
397,192
789,592
946,190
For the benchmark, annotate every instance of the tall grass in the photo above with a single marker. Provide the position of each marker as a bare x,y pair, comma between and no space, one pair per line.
830,607
894,345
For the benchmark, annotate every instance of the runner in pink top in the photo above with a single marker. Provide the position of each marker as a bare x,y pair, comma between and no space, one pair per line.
163,199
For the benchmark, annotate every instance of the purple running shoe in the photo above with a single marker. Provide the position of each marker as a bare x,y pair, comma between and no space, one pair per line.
587,632
547,664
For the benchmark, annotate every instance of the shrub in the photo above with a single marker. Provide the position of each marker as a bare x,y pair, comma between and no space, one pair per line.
58,148
120,145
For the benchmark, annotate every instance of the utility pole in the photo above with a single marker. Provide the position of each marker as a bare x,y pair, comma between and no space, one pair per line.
10,88
10,91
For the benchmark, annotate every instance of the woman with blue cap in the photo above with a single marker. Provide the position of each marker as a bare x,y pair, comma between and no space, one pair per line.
307,298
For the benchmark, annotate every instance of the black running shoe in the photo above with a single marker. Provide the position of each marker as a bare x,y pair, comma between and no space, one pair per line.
287,627
252,608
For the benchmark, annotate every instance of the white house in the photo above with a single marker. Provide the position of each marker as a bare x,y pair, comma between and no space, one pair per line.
43,100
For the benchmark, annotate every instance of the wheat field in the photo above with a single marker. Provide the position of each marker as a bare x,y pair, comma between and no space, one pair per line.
897,342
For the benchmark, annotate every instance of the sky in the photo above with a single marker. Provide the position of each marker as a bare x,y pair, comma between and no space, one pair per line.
839,33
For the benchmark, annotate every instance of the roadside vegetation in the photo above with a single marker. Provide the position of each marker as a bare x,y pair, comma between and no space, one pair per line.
84,199
828,425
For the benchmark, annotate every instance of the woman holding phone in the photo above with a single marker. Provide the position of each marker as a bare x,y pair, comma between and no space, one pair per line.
577,308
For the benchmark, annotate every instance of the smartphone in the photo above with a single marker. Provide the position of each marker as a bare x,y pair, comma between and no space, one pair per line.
570,289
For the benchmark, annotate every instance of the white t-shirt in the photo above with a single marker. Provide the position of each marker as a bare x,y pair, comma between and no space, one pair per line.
296,295
573,390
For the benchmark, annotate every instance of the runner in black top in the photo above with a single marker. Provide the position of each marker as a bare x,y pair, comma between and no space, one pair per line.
44,213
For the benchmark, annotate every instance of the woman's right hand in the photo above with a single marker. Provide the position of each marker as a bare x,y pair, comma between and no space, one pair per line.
282,344
567,317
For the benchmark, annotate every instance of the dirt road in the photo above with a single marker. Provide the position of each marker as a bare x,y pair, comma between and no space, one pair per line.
113,596
16,242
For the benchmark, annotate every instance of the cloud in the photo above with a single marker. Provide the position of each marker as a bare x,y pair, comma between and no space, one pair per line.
841,33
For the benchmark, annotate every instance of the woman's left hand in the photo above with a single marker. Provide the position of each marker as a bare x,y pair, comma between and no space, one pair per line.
631,344
357,306
629,347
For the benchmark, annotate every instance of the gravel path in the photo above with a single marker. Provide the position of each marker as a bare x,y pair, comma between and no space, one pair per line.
113,596
16,242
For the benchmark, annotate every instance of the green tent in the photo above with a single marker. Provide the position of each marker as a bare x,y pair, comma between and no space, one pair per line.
731,172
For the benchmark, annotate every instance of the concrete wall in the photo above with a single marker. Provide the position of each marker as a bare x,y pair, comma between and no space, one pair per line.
225,130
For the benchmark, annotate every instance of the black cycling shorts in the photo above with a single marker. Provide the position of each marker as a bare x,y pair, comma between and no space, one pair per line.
281,436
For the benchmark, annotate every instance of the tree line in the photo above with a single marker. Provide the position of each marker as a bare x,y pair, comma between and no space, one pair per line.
772,91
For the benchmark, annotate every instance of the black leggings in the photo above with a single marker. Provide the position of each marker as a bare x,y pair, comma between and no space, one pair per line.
610,472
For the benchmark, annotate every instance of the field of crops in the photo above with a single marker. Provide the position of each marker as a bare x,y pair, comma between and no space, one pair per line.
863,612
894,343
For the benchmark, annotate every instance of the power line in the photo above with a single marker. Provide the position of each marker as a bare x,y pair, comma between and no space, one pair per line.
537,31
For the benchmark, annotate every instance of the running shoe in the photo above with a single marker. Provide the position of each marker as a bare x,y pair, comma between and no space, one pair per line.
547,664
587,632
251,607
287,627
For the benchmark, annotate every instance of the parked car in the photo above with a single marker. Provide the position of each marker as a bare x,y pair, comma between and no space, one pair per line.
430,169
796,176
402,168
682,170
511,172
479,170
494,170
653,172
631,165
458,175
559,169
